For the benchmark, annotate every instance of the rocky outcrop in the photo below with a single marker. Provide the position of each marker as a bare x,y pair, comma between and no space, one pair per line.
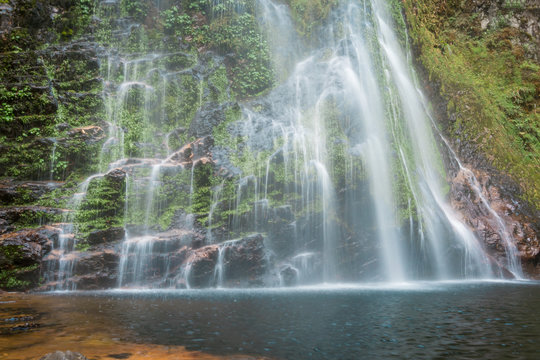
496,217
91,270
198,152
245,261
241,262
490,202
88,135
521,15
26,216
21,255
112,234
200,266
20,192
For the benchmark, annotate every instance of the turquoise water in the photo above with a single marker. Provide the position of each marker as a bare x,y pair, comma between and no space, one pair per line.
471,320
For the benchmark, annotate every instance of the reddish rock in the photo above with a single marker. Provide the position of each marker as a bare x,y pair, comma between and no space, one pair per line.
522,229
88,134
203,262
196,152
245,260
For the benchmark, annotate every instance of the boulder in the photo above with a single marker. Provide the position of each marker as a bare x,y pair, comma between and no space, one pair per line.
21,255
245,260
202,262
97,262
92,270
289,276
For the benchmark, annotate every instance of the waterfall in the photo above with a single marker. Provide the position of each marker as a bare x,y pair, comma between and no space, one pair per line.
337,166
358,70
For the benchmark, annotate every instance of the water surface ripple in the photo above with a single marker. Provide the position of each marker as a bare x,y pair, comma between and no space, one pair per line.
465,320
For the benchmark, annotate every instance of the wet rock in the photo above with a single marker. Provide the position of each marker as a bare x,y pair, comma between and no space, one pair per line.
289,276
28,215
5,227
97,263
207,118
281,230
203,262
96,270
245,261
505,220
198,151
88,134
24,191
120,356
21,255
116,175
20,249
68,355
106,236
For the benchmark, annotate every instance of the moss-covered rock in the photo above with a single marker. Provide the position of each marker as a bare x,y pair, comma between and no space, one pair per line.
481,62
20,257
103,205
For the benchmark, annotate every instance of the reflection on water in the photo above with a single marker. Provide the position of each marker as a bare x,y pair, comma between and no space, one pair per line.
452,320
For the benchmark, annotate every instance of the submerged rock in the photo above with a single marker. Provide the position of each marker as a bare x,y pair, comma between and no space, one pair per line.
68,355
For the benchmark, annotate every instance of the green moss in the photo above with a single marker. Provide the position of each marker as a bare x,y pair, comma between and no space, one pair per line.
491,87
250,68
15,279
12,276
309,14
103,205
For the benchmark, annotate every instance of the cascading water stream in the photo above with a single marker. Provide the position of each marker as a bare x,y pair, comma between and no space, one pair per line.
513,262
60,270
344,177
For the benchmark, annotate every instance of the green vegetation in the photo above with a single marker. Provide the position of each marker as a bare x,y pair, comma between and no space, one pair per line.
309,14
103,205
491,85
12,275
14,279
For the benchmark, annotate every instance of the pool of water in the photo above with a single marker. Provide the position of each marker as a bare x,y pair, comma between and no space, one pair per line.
423,320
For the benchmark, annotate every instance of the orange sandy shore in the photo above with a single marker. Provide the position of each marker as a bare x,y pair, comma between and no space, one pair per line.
95,337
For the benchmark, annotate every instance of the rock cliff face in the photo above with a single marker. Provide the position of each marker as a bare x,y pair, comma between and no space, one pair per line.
57,127
480,179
